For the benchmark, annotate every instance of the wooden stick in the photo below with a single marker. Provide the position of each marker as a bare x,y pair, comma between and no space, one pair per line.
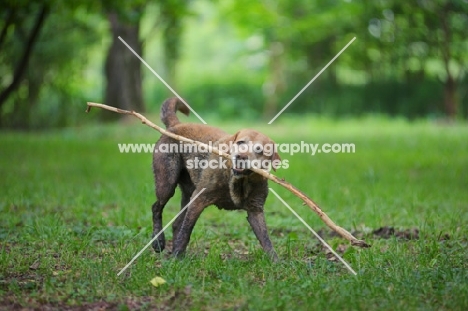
341,231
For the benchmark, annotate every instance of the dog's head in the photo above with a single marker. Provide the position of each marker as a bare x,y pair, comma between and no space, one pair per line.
249,148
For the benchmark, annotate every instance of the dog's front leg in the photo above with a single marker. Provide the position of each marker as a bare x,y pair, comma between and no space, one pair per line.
258,224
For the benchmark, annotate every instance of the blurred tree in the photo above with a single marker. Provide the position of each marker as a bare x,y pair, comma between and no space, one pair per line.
401,49
448,20
47,71
172,14
397,40
16,19
263,18
430,30
44,45
122,68
304,34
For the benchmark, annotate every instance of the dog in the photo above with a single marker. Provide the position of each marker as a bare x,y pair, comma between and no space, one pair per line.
232,187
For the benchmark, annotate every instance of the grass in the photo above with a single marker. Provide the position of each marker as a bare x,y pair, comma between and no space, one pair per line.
74,211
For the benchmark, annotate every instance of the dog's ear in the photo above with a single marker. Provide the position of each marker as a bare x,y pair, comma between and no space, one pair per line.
234,137
228,139
231,138
275,161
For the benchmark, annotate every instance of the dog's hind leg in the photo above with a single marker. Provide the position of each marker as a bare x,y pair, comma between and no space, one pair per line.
192,214
187,188
166,183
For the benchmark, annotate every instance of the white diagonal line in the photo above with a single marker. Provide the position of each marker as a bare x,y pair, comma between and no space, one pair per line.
315,233
161,79
310,82
159,233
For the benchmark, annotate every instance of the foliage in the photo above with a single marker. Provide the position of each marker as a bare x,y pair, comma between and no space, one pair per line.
405,46
231,99
53,81
405,42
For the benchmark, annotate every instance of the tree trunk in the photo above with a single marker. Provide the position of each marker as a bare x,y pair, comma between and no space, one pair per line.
450,97
123,69
450,85
22,109
171,15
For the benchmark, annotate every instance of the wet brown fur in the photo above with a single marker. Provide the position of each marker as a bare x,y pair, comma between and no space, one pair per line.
223,187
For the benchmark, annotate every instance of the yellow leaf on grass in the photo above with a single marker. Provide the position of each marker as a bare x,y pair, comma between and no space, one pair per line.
157,281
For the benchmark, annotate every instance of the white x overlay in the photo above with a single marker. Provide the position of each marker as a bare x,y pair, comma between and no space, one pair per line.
277,115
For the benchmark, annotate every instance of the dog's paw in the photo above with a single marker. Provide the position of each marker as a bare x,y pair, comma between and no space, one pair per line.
159,244
273,257
178,254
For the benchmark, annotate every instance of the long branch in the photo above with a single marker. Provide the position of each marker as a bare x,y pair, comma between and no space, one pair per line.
341,231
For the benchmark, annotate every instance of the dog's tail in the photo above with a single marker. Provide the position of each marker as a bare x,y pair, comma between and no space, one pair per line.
169,109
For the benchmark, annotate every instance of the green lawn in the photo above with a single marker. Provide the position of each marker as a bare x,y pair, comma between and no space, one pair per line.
74,211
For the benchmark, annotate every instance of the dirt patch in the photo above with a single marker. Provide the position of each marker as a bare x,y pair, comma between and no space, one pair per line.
27,281
339,250
388,232
385,232
133,303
